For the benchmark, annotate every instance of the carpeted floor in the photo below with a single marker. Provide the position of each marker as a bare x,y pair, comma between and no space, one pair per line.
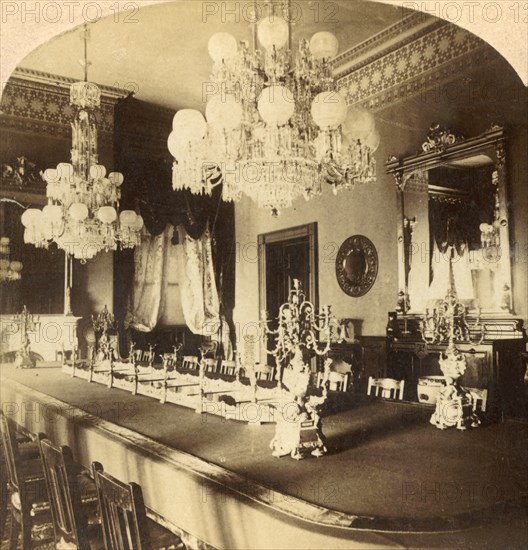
385,459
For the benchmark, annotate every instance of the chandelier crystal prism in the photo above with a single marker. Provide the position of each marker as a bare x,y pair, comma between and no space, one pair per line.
275,126
81,216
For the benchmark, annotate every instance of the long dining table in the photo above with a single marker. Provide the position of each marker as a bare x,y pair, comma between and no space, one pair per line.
214,481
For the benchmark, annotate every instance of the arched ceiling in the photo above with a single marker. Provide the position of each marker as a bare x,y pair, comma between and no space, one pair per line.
160,50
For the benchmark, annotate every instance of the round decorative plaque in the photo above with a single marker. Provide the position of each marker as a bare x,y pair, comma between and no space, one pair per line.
357,266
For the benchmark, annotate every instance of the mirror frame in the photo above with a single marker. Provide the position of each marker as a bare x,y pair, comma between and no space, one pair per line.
357,242
442,146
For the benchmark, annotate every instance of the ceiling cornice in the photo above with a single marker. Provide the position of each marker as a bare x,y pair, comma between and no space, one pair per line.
388,40
41,80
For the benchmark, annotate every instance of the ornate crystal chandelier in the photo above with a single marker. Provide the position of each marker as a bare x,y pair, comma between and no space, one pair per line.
275,128
10,270
81,216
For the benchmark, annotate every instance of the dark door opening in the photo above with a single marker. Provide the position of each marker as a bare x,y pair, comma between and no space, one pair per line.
286,255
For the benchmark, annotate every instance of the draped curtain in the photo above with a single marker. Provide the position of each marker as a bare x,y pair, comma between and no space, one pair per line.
149,292
199,295
196,278
461,273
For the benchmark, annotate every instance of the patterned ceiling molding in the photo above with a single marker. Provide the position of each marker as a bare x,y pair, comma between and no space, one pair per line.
42,106
395,36
45,80
416,67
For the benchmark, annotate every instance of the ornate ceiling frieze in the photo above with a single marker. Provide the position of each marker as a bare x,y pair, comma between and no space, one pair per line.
414,68
39,103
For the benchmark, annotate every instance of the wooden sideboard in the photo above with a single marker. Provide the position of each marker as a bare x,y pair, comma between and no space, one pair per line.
495,363
366,355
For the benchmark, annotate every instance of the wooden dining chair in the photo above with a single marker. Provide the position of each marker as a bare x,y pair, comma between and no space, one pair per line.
124,518
264,372
30,518
190,362
478,397
387,388
228,367
27,449
72,496
210,364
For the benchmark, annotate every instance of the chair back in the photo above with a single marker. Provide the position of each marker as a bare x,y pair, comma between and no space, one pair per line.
387,388
11,454
478,395
210,364
228,367
69,523
190,362
122,511
169,359
264,372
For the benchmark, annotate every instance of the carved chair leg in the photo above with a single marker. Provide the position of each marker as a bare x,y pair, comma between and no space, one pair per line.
14,533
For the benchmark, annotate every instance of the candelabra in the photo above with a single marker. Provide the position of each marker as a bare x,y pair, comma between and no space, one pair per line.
27,323
447,322
103,324
300,328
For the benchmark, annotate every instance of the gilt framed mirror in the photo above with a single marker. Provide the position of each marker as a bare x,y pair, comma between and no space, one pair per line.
453,223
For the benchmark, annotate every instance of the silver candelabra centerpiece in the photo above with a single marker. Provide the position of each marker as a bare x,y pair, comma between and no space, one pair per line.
28,323
301,331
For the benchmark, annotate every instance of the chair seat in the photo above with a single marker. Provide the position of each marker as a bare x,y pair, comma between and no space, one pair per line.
163,539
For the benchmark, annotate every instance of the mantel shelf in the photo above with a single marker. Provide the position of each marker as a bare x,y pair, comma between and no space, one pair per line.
27,196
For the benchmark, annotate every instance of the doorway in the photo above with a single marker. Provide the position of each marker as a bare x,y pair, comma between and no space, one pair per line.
283,256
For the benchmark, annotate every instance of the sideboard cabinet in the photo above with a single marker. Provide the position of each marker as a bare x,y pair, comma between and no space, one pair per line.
494,364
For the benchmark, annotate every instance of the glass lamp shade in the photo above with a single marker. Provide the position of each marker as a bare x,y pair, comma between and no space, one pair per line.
65,171
273,31
51,175
16,266
138,223
116,178
52,213
78,211
329,110
224,112
127,218
373,140
358,124
107,214
276,105
324,45
97,171
177,147
189,124
31,217
222,46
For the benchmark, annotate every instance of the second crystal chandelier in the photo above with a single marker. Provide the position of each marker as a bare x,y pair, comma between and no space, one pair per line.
275,128
82,216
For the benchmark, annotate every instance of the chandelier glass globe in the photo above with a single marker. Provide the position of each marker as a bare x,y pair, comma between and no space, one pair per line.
276,105
273,32
329,110
222,46
324,45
